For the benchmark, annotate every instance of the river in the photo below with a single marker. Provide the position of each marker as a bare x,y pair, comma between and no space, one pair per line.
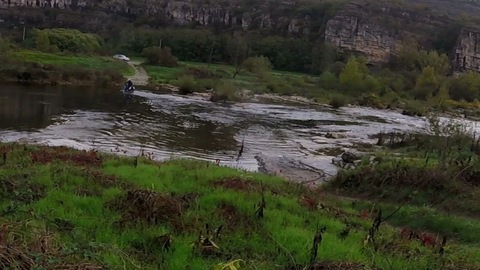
167,125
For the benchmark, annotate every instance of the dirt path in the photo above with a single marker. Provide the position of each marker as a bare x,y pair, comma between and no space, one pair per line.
140,77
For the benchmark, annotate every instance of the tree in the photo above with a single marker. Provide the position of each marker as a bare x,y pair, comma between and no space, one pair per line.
392,80
370,84
426,84
336,68
162,57
42,41
67,40
439,62
323,57
412,59
351,77
258,65
4,49
466,87
238,50
328,81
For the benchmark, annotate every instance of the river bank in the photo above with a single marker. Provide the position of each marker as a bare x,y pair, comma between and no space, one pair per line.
38,68
463,111
134,213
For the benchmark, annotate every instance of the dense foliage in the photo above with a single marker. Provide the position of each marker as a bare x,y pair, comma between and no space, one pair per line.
160,56
65,40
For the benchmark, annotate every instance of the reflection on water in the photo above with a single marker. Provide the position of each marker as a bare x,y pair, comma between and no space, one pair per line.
168,125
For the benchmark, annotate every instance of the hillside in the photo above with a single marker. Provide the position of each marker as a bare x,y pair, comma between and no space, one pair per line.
455,8
376,29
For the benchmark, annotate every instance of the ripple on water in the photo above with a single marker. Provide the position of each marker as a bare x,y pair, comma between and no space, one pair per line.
181,126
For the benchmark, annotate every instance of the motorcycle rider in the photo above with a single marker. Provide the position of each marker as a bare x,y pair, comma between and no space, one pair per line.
128,85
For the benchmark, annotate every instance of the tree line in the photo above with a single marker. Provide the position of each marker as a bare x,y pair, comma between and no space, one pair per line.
412,73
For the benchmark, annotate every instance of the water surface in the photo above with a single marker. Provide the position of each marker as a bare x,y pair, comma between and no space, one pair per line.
178,126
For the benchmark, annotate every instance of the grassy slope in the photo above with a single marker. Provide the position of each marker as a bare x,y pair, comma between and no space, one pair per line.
287,83
68,207
88,62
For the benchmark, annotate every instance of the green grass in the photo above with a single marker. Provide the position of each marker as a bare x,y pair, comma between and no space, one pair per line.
78,203
284,83
88,62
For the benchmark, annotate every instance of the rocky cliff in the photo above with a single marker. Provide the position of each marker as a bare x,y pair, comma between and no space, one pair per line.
262,14
354,34
377,30
467,51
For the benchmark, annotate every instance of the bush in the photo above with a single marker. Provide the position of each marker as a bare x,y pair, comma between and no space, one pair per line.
4,49
296,81
414,108
42,42
162,57
426,84
371,100
224,92
278,86
187,85
259,65
465,87
206,84
328,80
338,101
66,40
392,99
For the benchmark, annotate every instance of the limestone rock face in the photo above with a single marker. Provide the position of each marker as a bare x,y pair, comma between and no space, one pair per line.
467,51
351,33
376,29
263,14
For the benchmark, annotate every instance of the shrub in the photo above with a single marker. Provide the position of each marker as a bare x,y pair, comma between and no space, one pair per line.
162,57
296,81
414,108
224,91
206,84
42,42
338,101
277,85
465,87
187,85
4,49
66,40
426,84
259,65
392,99
328,80
371,100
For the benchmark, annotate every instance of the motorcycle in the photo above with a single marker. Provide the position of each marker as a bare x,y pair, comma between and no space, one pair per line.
128,90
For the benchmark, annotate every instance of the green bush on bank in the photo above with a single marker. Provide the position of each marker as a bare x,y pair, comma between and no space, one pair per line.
66,40
225,91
